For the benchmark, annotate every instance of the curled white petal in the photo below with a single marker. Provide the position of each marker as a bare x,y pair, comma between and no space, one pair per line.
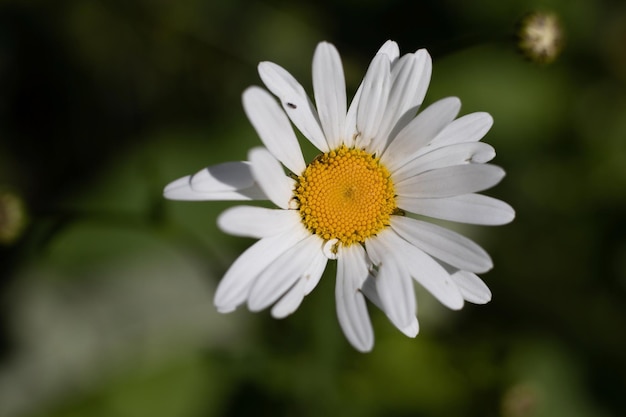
330,248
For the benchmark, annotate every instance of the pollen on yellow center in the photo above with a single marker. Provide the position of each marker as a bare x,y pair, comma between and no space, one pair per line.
345,194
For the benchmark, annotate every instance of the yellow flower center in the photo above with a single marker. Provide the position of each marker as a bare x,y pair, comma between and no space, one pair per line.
345,194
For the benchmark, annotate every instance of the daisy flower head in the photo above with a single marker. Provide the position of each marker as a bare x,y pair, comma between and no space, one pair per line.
383,169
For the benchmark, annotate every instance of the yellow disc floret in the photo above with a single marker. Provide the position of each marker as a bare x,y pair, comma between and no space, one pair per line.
345,194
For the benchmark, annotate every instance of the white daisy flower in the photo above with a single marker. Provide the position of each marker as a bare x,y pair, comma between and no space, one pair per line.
379,166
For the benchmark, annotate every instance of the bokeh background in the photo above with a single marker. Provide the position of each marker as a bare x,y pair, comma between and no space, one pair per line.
106,293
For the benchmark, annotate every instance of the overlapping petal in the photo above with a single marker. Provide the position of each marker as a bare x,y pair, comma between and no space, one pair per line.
424,269
282,273
370,291
351,131
419,131
234,288
393,281
391,49
469,128
290,301
472,288
410,77
305,284
443,244
374,95
457,154
351,308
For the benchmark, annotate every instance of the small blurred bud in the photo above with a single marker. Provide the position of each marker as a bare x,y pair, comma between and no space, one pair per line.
540,37
520,400
12,217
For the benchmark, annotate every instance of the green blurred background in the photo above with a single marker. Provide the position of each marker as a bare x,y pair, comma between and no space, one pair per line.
106,297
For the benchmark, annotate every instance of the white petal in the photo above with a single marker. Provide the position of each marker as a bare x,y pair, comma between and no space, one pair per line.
450,181
391,49
234,288
409,75
290,302
369,289
257,222
226,181
429,273
282,273
295,102
227,176
310,278
425,66
421,130
330,92
273,127
351,308
373,101
412,329
469,128
271,178
329,248
315,270
351,131
444,244
180,189
458,154
468,208
393,283
472,287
